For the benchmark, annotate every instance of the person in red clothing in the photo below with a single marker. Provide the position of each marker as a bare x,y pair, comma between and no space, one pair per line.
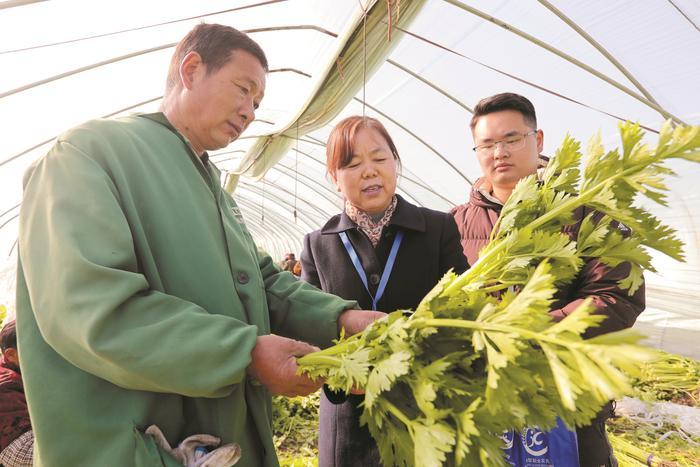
508,146
16,439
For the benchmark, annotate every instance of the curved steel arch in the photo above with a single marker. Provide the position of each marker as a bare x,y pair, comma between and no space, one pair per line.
289,233
684,15
415,181
301,138
9,220
334,195
306,177
223,153
283,228
432,85
415,136
240,198
415,178
10,210
281,202
111,114
319,217
572,24
260,232
280,225
288,174
405,192
16,3
512,29
96,36
418,138
314,220
310,221
521,80
138,53
85,68
26,151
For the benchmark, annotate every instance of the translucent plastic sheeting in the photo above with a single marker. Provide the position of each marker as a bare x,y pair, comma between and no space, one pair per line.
685,419
584,64
37,114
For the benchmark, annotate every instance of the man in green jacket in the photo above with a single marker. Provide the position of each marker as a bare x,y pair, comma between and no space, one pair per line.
141,296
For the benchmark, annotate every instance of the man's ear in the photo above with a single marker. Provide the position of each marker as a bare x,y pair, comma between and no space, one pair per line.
540,141
189,68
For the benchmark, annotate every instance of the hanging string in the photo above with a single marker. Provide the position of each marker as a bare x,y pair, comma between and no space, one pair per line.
262,205
390,17
296,172
364,59
393,19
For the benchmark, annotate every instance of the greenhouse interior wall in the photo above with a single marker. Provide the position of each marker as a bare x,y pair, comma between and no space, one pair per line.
587,66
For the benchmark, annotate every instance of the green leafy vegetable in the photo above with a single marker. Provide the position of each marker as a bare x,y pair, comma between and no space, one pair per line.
469,363
670,375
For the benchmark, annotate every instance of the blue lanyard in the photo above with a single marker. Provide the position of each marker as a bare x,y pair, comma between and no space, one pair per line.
387,267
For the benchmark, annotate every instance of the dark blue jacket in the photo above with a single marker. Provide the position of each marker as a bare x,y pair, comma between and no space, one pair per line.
430,247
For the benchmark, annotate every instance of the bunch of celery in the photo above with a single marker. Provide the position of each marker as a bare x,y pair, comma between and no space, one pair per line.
470,363
671,373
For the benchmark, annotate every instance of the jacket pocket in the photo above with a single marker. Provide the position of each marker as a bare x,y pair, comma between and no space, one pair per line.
148,454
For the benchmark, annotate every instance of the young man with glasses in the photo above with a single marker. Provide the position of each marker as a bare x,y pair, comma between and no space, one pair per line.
508,146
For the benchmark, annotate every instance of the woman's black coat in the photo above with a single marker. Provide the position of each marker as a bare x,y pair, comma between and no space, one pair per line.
430,247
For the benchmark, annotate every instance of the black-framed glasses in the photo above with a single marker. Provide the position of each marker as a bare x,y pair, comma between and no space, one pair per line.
511,143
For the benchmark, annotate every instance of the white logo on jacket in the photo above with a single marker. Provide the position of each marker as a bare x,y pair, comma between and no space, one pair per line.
533,442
